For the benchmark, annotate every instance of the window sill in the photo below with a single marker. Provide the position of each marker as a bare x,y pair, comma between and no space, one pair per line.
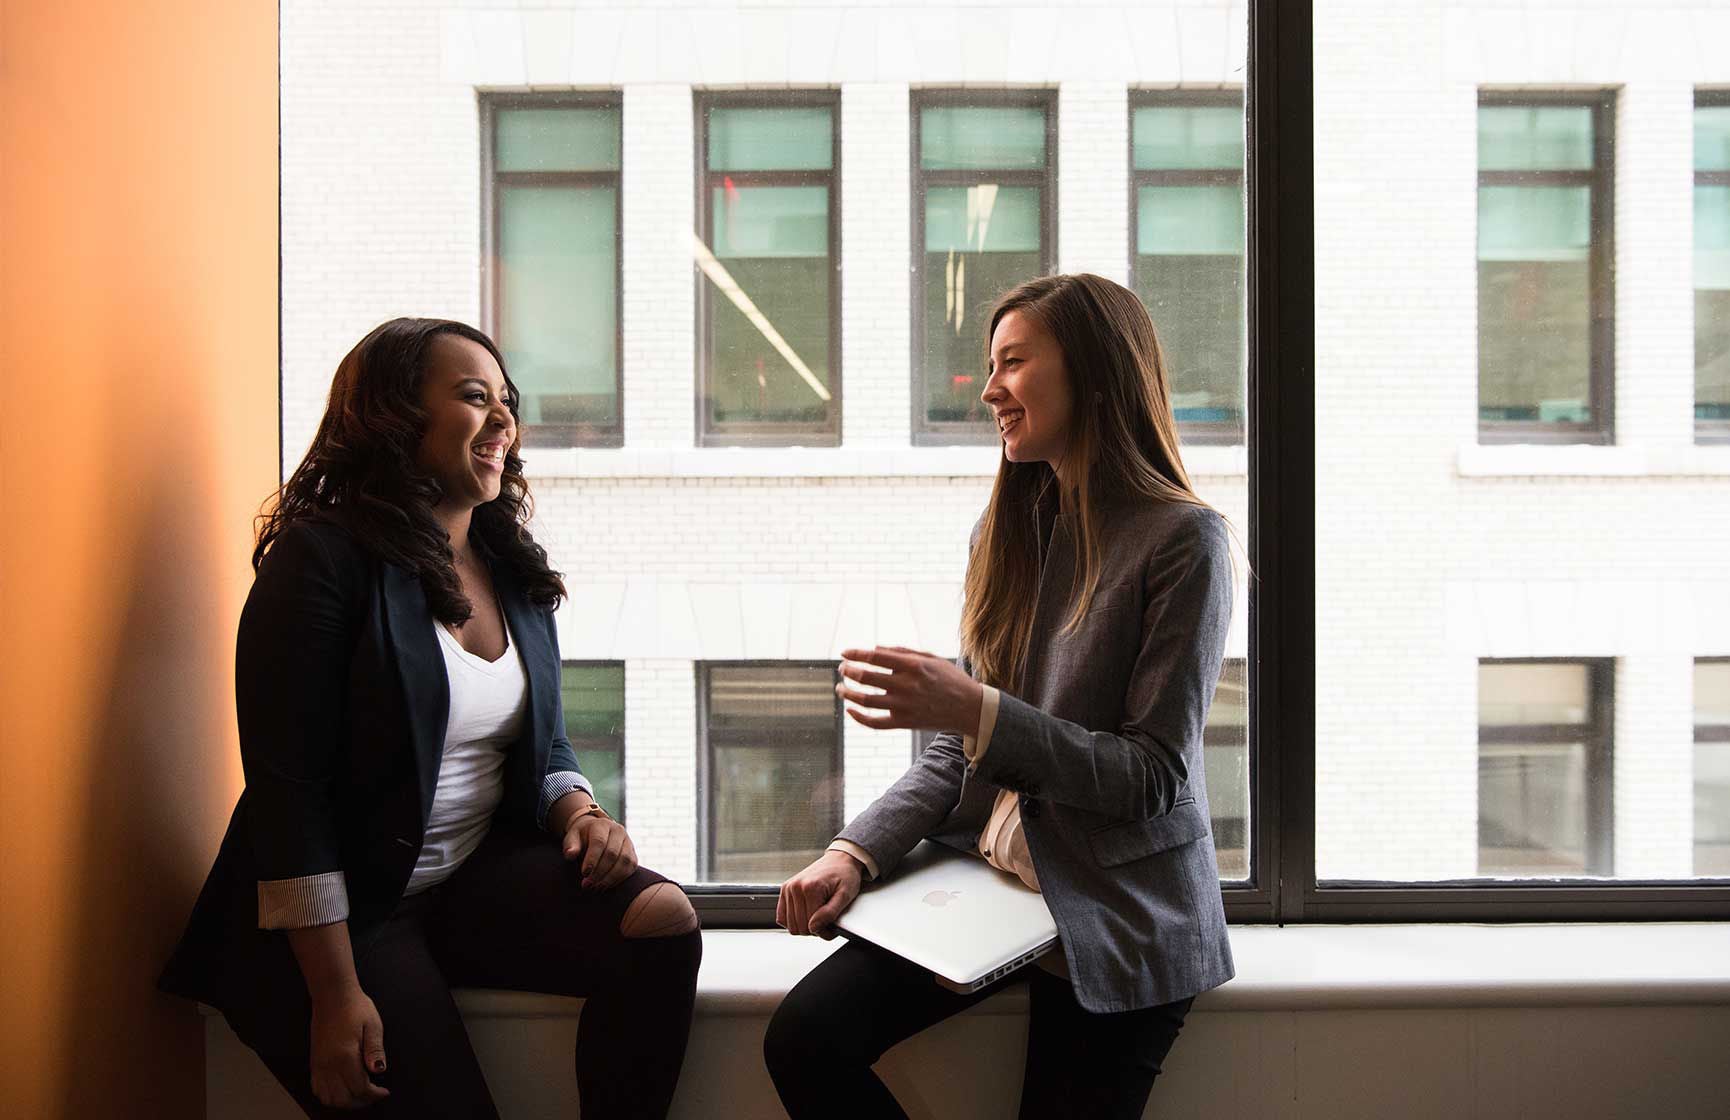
1529,460
861,461
1301,968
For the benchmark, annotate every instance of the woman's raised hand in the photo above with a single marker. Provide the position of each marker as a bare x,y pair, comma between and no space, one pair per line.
813,900
912,689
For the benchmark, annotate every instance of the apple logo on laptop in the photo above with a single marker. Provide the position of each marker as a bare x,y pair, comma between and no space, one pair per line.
940,898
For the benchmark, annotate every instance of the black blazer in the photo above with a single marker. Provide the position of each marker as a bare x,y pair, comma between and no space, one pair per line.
342,699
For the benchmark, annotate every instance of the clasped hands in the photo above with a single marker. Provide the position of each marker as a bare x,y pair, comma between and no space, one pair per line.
906,689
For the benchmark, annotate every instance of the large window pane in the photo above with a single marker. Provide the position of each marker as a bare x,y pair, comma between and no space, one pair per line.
979,242
774,244
982,195
594,701
559,301
768,298
1187,251
773,769
1541,292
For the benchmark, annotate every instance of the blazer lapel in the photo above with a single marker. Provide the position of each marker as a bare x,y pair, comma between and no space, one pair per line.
421,667
530,752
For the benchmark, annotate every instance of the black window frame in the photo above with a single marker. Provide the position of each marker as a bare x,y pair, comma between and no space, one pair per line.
734,902
760,433
1597,734
553,435
953,433
1714,430
1601,266
1209,432
1280,250
593,743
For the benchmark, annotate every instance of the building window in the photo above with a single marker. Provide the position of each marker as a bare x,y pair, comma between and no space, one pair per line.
1186,257
593,693
768,297
551,165
1225,757
1712,768
1544,768
771,763
984,188
1712,267
1545,264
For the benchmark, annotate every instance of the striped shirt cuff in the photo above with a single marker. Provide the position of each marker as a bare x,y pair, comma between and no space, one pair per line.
559,783
849,848
975,746
311,900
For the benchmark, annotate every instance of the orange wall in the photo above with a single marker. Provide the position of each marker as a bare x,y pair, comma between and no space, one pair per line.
138,434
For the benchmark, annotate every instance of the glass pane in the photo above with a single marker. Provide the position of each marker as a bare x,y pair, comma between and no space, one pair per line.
771,139
1189,272
769,295
558,301
1226,759
989,138
1712,138
1168,137
1712,694
557,140
1532,809
1712,302
1530,138
979,242
594,702
775,783
1511,695
1534,304
1712,809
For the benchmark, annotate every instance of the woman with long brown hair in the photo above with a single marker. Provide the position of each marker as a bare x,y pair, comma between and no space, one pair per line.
414,817
1097,600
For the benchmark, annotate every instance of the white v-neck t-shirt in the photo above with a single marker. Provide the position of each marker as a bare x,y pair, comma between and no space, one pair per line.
487,709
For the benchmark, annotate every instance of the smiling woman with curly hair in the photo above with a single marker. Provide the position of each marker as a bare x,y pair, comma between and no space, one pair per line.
414,817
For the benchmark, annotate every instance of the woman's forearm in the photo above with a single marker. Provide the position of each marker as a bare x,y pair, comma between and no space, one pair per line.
326,960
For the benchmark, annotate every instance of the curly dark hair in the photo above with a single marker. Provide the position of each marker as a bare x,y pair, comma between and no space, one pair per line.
360,472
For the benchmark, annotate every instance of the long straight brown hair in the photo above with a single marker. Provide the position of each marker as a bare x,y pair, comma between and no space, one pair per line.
1122,443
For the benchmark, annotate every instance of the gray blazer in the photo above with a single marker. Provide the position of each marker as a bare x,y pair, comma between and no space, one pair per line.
1102,740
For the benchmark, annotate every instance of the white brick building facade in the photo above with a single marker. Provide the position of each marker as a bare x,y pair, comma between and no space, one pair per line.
1433,551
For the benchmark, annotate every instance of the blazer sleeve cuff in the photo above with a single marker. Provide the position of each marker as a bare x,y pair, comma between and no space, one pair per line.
975,746
310,900
557,784
858,853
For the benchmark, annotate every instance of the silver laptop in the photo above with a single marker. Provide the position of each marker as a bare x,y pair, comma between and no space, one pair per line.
954,914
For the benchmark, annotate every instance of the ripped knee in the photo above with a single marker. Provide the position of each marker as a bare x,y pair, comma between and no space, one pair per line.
662,910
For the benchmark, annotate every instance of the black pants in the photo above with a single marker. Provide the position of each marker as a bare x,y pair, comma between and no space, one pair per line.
513,916
859,1002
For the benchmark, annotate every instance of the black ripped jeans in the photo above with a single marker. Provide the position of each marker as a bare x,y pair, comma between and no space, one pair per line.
513,916
840,1019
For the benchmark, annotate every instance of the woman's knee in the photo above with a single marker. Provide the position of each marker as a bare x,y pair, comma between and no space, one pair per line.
661,910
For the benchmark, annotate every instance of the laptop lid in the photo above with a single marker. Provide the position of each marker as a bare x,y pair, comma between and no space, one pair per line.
953,914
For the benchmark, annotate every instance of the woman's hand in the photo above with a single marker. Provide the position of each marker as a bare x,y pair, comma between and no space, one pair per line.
919,690
347,1045
606,850
813,900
